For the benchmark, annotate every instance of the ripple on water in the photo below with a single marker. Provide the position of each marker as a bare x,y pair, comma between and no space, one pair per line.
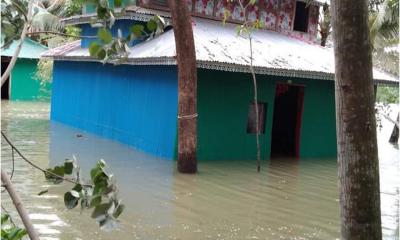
226,200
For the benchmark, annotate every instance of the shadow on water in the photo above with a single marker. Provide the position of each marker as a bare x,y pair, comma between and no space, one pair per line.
289,199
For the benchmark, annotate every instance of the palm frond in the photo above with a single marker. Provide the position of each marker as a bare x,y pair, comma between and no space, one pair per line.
45,21
385,22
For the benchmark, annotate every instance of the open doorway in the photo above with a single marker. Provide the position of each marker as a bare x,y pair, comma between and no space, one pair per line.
5,89
288,108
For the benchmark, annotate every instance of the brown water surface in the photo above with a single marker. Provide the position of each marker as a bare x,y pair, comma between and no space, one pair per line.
226,200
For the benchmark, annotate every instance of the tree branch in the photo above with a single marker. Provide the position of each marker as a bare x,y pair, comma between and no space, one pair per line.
390,120
59,33
33,235
39,168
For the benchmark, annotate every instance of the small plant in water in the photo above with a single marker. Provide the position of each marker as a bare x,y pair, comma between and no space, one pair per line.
101,194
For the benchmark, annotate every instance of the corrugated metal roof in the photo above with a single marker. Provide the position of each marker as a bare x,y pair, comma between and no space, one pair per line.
30,49
131,13
219,47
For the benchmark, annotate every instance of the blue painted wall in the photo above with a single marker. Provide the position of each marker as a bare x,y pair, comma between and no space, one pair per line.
123,25
136,105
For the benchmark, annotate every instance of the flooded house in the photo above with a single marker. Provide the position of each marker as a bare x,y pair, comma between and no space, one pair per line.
136,102
23,84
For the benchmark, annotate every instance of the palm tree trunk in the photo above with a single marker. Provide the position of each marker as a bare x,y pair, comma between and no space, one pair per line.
355,121
187,86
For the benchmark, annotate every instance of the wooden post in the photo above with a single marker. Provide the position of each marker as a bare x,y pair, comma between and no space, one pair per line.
394,137
187,86
355,122
33,235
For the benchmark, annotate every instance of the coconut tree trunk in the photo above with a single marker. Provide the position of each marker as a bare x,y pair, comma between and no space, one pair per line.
355,122
187,86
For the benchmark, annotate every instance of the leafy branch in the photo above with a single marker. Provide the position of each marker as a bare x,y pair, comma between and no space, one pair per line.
101,193
116,48
9,231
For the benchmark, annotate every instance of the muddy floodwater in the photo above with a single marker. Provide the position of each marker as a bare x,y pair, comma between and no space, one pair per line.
225,200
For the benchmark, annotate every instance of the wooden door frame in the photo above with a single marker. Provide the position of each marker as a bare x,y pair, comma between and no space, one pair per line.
300,108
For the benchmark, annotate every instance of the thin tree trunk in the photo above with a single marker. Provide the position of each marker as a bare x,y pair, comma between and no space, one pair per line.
355,121
324,38
187,86
14,58
253,74
394,137
33,235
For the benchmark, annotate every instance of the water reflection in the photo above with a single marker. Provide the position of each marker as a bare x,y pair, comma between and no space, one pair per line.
226,200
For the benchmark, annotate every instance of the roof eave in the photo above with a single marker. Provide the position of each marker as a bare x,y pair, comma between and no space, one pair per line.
221,67
131,13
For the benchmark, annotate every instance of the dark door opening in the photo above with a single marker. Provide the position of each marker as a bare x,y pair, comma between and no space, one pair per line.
288,108
5,89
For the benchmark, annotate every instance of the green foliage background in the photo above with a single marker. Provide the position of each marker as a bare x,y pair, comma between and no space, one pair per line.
386,94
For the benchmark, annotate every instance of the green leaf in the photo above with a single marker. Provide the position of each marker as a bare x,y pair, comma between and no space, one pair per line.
160,20
105,35
101,177
101,163
101,54
77,187
137,30
94,49
70,201
47,175
4,234
95,201
68,166
16,234
101,12
152,25
118,210
59,170
21,233
94,172
4,218
100,187
100,210
75,193
117,3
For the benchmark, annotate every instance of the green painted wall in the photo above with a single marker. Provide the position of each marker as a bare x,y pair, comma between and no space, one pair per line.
223,102
318,133
24,85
